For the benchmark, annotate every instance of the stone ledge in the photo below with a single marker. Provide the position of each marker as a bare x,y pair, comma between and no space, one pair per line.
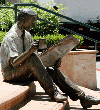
10,94
83,51
80,67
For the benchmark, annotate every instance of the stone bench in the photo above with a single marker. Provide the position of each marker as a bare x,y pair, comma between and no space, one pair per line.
12,94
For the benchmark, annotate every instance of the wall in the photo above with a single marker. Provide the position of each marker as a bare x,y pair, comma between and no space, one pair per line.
45,1
81,10
12,1
80,67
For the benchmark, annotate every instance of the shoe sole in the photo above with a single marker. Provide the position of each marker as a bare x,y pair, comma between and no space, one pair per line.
87,107
57,100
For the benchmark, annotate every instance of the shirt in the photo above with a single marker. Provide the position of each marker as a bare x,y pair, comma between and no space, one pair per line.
12,45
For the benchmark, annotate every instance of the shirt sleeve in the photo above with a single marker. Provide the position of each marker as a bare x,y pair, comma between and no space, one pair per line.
8,51
12,49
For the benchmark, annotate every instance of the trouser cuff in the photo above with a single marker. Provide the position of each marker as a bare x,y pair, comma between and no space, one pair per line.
81,95
52,91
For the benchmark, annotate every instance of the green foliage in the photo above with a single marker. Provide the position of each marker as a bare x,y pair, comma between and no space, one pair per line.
2,1
81,40
54,38
79,37
7,17
2,34
27,1
50,38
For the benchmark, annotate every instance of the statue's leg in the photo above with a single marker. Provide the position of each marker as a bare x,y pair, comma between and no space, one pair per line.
65,84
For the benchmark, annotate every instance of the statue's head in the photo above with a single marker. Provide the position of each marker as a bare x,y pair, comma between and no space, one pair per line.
26,18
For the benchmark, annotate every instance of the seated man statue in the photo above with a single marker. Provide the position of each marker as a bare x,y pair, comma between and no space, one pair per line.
20,63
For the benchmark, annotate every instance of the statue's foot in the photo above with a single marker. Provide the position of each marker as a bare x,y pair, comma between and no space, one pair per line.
60,98
87,101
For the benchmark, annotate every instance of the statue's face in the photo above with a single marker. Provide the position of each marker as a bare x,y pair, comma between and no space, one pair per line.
30,23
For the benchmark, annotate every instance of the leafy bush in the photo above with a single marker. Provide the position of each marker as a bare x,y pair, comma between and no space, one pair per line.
2,34
50,39
7,18
81,40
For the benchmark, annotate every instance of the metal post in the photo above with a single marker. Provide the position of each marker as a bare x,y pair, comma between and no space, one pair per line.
95,45
15,13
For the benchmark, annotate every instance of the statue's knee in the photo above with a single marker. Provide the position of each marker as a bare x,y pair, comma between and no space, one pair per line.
31,57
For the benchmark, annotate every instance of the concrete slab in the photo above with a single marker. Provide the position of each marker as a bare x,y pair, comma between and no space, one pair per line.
41,101
75,105
12,94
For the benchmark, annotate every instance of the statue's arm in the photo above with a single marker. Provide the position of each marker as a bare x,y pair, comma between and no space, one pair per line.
23,56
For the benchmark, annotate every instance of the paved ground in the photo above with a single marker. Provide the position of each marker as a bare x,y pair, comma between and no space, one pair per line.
98,73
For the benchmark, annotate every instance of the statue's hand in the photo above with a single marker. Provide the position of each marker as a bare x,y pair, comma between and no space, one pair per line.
57,63
34,45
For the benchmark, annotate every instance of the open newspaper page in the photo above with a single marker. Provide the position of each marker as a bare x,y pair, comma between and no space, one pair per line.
58,50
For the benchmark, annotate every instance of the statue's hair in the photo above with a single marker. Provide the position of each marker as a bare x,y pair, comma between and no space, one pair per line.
25,14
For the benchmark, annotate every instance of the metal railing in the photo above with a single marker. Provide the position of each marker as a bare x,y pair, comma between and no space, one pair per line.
57,14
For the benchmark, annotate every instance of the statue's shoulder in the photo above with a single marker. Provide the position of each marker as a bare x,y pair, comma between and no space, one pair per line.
28,33
12,32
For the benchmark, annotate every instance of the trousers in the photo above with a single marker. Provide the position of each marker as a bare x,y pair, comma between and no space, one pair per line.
33,67
65,84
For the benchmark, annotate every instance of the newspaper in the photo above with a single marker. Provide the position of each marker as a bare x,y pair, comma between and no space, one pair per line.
58,50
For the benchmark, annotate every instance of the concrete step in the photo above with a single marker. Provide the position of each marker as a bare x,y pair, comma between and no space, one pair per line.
13,94
10,95
97,55
75,105
41,101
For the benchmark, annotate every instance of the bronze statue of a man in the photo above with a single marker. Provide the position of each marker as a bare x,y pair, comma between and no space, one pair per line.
20,63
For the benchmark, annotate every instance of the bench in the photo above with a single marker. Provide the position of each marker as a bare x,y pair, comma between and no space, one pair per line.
13,93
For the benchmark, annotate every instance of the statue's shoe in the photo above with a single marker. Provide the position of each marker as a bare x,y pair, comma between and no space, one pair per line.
87,101
60,98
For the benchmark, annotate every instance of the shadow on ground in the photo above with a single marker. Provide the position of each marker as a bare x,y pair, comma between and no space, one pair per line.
38,96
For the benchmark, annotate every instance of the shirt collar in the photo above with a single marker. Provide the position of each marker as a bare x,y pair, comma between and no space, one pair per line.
18,31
